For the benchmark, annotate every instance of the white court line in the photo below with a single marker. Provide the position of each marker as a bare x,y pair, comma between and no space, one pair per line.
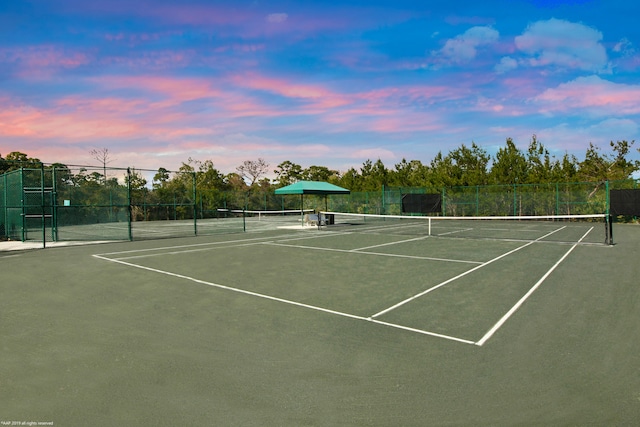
390,243
358,251
191,245
513,309
401,303
420,331
285,301
315,236
455,231
239,245
257,240
508,229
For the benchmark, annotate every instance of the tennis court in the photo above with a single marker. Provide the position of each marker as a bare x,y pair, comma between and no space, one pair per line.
364,322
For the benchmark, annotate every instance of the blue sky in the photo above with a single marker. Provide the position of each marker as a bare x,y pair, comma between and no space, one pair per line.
330,83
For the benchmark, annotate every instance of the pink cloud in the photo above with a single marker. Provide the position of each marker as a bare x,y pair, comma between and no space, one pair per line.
178,89
321,96
14,120
593,93
239,47
228,122
43,124
411,95
42,61
335,107
77,118
165,94
246,107
154,109
151,61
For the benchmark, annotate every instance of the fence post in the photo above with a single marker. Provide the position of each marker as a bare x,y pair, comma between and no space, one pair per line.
129,207
477,200
366,202
195,206
23,230
54,205
4,231
43,208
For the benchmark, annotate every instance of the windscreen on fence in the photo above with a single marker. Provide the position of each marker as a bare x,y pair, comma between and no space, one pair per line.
421,203
625,202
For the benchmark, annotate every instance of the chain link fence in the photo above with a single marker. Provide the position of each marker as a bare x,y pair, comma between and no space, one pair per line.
493,200
63,203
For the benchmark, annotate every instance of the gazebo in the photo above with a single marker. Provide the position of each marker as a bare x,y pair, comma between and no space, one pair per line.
311,187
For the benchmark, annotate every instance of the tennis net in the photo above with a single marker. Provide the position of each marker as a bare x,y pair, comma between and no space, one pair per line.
265,219
587,229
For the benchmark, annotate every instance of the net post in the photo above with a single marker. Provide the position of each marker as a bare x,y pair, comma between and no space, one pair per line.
608,222
609,229
129,203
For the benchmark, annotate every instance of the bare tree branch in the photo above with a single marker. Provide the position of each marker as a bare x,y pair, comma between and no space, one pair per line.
253,170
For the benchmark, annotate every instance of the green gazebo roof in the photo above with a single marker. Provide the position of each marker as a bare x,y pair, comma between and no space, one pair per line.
312,187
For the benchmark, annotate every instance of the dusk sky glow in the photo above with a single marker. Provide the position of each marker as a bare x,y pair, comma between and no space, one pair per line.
328,83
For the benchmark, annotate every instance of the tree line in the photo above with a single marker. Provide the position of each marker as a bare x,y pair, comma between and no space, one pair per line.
463,166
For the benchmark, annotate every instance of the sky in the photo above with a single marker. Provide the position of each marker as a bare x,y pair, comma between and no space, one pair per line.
325,83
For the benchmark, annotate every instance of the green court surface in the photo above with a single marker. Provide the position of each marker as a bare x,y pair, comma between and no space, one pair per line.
324,328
